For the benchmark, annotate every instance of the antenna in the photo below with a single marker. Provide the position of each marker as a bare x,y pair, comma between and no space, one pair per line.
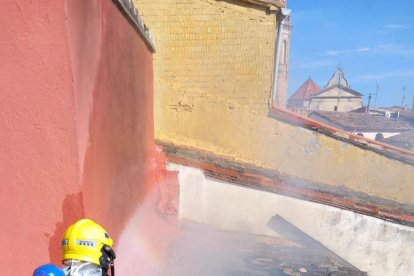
373,94
339,93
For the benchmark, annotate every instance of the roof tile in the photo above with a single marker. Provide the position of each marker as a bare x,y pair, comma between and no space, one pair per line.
306,91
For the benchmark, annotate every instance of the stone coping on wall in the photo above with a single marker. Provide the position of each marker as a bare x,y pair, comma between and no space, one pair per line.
271,4
249,175
267,3
129,9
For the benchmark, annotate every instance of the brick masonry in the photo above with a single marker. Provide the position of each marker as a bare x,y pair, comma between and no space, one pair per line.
223,48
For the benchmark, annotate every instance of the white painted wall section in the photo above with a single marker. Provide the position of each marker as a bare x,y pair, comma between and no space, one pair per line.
372,245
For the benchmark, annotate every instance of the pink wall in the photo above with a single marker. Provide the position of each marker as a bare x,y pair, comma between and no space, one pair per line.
76,130
124,174
39,171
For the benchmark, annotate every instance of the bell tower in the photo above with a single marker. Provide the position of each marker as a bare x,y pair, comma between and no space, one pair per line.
282,49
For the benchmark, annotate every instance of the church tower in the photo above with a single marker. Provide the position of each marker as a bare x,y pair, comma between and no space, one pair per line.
282,59
338,78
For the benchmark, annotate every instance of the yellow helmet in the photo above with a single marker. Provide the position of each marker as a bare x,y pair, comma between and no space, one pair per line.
86,241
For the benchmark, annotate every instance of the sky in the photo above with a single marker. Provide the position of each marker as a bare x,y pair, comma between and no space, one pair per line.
372,40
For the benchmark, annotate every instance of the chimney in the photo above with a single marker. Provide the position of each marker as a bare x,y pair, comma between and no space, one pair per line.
369,101
413,103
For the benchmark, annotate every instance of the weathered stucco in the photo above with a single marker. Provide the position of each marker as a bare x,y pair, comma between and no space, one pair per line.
77,134
39,170
372,245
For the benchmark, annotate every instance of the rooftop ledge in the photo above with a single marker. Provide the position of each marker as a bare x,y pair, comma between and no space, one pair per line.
254,177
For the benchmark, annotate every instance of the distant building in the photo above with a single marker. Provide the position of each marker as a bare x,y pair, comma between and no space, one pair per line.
365,125
388,113
336,96
302,97
281,72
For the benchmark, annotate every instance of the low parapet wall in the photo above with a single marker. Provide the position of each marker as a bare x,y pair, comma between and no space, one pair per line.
258,178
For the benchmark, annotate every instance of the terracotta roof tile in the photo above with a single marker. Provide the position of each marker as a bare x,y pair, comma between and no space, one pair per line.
306,91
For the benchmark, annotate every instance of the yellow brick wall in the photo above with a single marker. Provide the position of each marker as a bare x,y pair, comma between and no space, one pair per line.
228,129
222,48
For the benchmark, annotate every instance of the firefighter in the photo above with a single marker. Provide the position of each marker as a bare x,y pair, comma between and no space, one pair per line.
48,270
87,250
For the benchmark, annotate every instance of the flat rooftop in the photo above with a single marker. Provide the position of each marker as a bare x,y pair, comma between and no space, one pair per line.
203,250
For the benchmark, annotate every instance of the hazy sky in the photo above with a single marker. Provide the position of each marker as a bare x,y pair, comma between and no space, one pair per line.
372,40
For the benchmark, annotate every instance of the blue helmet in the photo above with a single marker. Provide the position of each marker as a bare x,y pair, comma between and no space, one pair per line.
48,270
